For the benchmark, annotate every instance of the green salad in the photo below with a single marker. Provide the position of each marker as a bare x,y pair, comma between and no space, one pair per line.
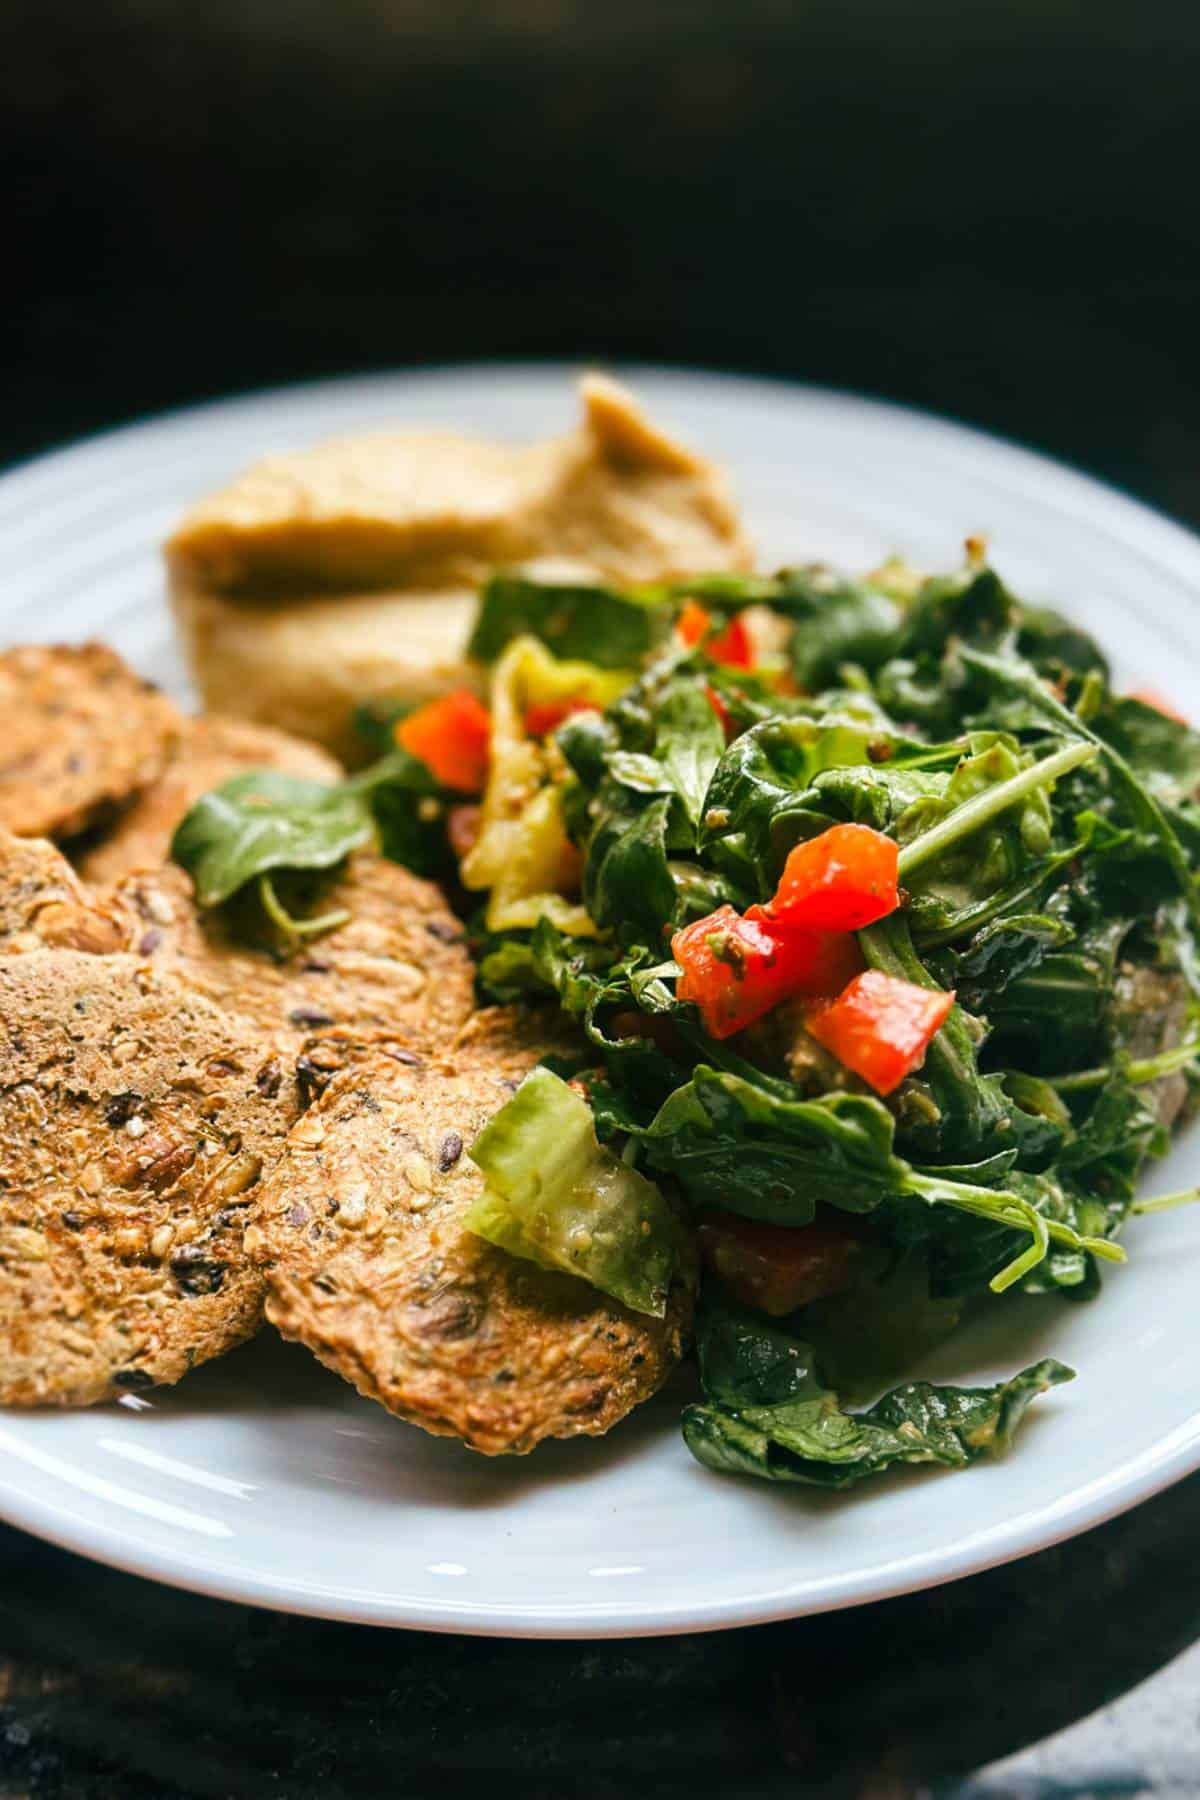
874,906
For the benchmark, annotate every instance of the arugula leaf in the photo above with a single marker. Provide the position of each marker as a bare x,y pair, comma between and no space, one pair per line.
607,626
768,1415
263,820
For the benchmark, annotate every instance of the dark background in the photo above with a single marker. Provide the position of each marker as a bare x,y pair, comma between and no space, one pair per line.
987,209
982,206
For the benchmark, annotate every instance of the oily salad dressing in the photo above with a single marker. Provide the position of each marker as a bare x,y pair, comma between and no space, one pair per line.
873,908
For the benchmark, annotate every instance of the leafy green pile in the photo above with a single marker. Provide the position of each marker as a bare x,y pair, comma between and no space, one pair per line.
1048,832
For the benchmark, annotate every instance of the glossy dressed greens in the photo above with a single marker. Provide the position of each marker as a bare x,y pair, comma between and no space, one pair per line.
1048,831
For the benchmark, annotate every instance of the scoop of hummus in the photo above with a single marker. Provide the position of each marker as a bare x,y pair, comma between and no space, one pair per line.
347,573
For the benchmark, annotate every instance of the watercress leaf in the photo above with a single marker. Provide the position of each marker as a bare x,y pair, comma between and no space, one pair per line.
263,820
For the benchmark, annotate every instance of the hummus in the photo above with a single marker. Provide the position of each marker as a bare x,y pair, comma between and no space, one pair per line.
348,572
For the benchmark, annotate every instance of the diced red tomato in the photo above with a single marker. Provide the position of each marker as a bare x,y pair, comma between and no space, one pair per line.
545,716
693,623
844,879
734,646
462,828
776,1268
451,737
826,960
722,711
880,1027
737,968
1151,697
734,969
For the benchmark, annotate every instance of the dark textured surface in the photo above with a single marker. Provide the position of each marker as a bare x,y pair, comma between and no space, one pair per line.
109,1686
987,210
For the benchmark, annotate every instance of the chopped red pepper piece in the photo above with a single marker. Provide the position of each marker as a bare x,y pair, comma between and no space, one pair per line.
777,1268
693,623
880,1027
844,879
737,968
734,646
827,959
545,716
451,737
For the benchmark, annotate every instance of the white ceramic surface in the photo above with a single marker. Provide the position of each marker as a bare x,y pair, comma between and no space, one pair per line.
262,1477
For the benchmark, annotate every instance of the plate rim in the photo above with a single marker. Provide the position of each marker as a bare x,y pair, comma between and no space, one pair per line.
1167,543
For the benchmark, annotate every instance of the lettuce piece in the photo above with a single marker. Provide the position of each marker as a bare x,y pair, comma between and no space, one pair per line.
558,1198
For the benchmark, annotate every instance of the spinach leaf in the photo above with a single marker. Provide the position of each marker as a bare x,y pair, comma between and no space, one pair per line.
607,626
263,820
1163,753
972,604
749,1147
688,742
409,810
627,881
768,1415
836,622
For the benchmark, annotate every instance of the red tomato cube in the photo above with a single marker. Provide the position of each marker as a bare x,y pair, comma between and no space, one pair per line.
880,1027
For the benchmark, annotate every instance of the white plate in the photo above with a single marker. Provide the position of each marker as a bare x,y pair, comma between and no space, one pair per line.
262,1478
